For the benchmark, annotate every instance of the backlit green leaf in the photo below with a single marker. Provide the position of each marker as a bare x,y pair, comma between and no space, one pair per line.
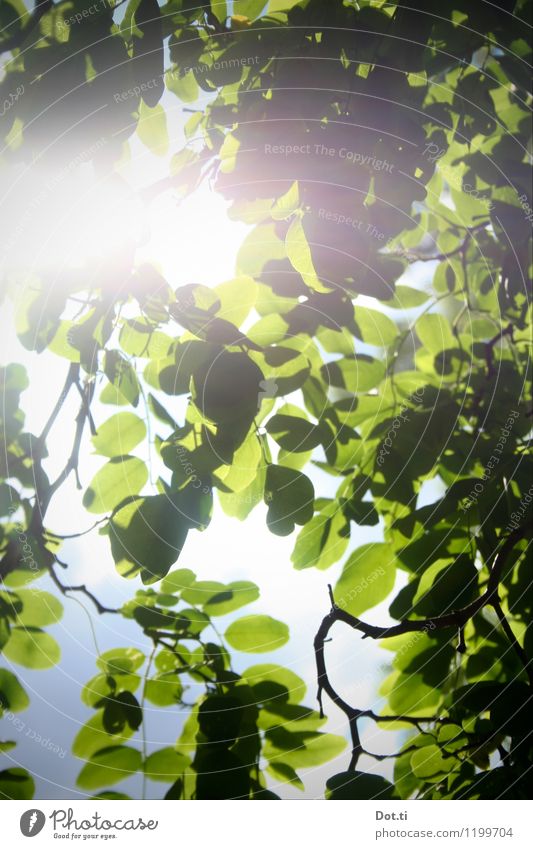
257,634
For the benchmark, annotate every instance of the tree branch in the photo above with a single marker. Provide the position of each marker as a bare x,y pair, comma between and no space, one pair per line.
71,379
72,462
324,684
413,256
456,620
184,666
55,536
517,648
412,720
489,347
86,403
81,588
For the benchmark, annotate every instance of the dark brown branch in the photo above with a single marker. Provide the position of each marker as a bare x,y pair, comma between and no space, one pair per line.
55,536
393,755
501,559
517,648
324,684
456,619
72,462
71,379
413,256
160,642
489,347
81,588
86,403
412,720
475,744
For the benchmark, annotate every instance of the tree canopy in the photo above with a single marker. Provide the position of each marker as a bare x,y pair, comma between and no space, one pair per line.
377,334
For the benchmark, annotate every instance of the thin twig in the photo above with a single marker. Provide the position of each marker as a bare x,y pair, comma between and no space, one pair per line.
71,379
54,535
81,588
517,648
72,462
489,347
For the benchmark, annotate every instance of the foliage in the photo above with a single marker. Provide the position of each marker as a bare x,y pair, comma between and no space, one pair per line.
377,329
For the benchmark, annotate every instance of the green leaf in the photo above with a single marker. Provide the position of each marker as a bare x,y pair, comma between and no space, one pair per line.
358,785
237,298
32,648
355,374
166,764
173,374
302,750
13,697
243,469
257,634
109,766
185,87
164,690
16,783
410,694
293,433
274,683
367,578
147,536
120,661
435,333
430,764
152,128
111,395
405,298
122,376
227,390
217,599
405,781
39,608
220,718
240,504
290,498
121,709
286,773
275,714
446,586
119,479
111,795
60,344
374,327
285,370
103,686
299,253
161,412
249,8
177,581
322,541
139,339
119,434
93,737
